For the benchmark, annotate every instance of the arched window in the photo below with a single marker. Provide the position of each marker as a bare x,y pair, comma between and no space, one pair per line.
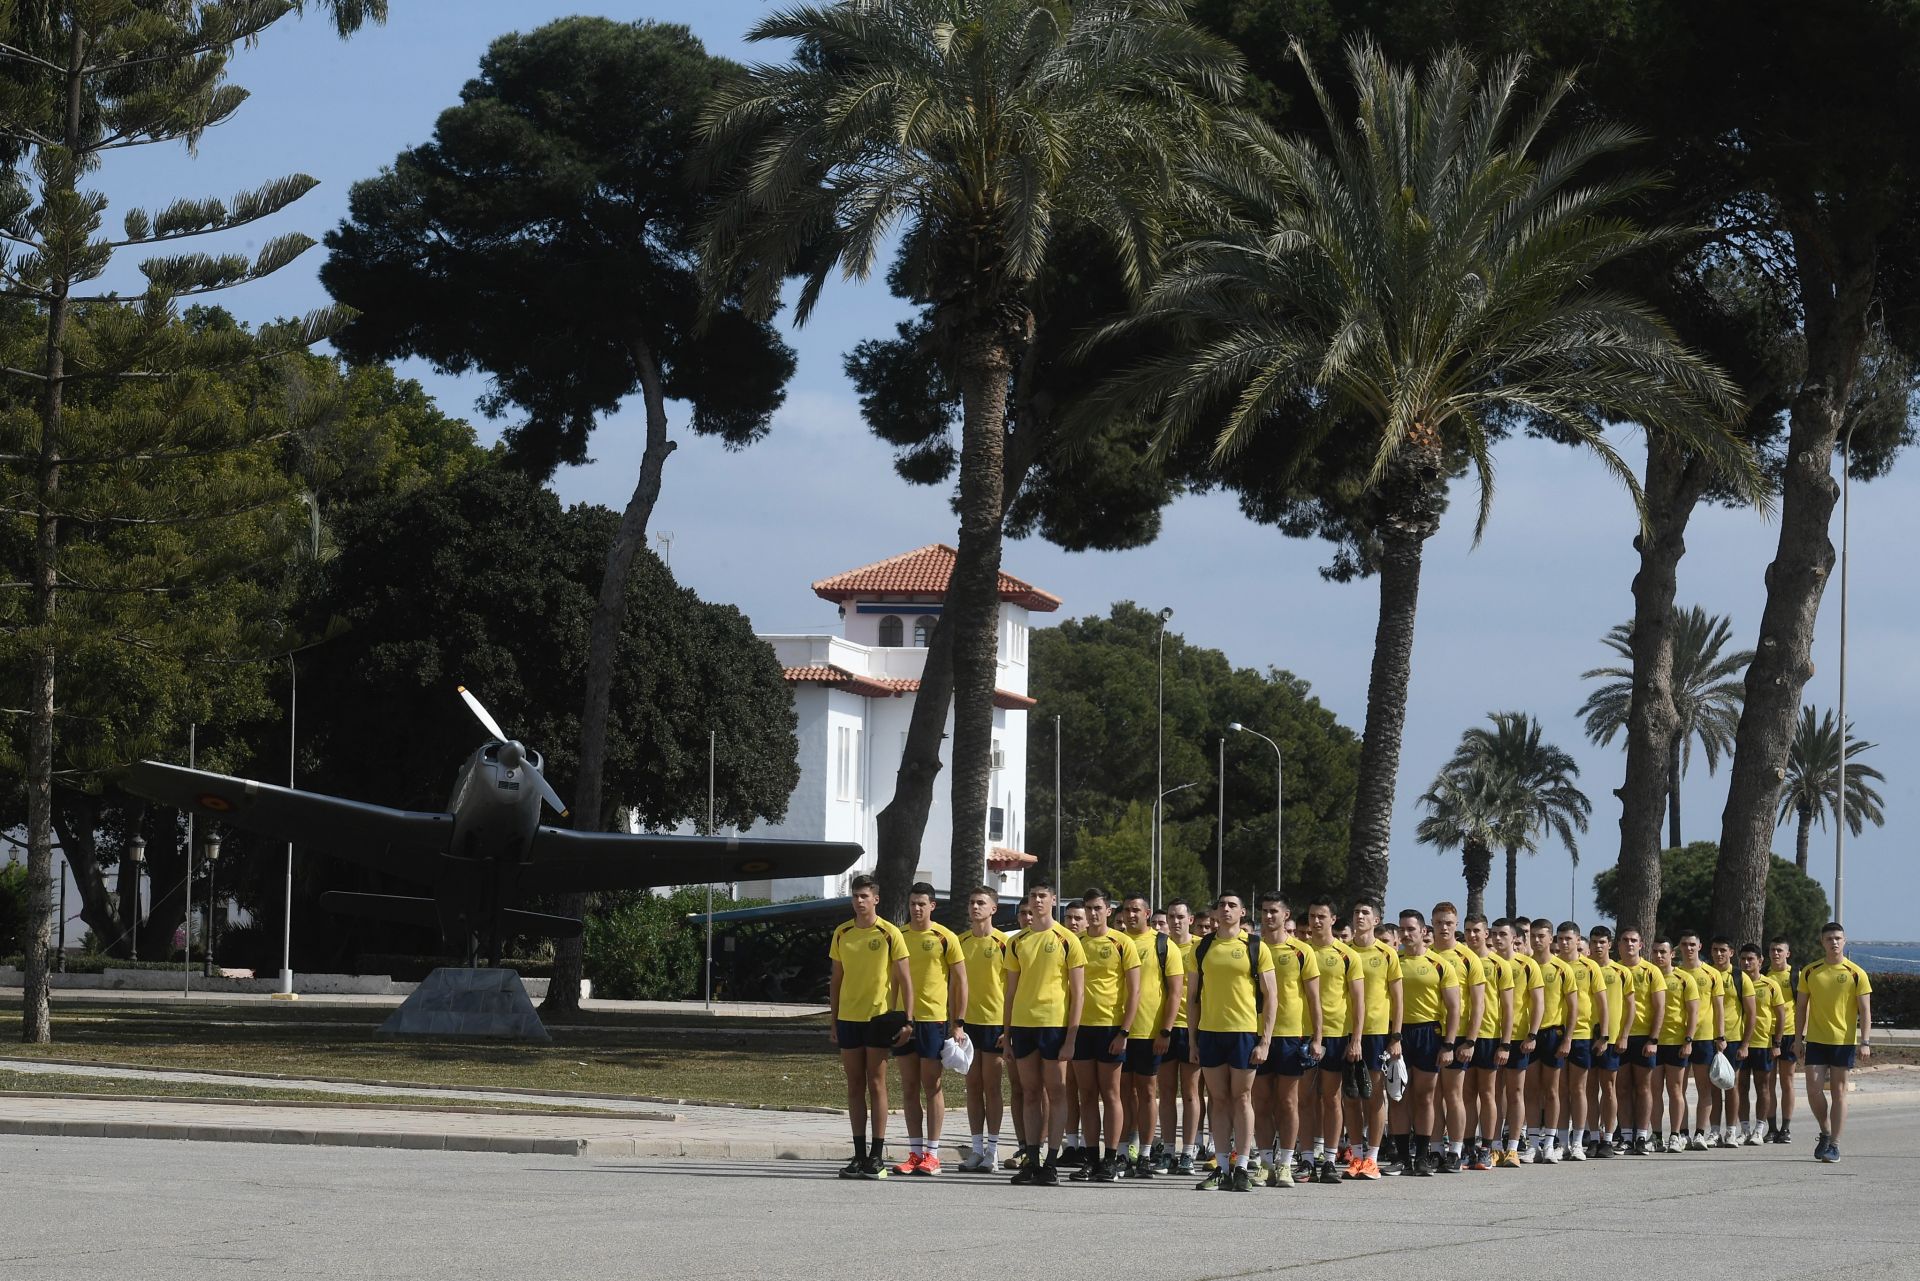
923,630
890,629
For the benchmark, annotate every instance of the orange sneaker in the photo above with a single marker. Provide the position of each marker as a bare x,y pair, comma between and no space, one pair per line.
911,1165
929,1164
1366,1168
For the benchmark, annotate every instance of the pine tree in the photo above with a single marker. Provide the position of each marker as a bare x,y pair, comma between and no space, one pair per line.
94,470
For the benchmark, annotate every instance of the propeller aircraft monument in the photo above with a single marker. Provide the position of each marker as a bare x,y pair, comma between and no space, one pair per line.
486,853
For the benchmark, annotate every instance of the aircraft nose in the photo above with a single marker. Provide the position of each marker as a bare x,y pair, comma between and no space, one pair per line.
511,754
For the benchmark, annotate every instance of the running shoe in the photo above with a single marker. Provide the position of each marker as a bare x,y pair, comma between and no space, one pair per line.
1281,1175
1725,1139
854,1169
1108,1170
929,1164
1141,1169
1238,1181
1820,1147
1047,1175
1365,1168
911,1165
1698,1143
874,1168
1449,1163
1185,1166
1479,1161
1027,1173
1833,1151
1160,1159
1575,1152
1324,1174
1211,1183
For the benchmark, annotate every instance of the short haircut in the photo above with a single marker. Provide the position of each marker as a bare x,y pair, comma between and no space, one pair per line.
1414,912
1272,896
1720,940
1135,897
1322,902
1600,932
1221,898
1177,902
923,887
1568,927
1072,903
1779,940
1501,923
1366,903
1542,923
1662,939
1091,893
863,881
1034,887
1473,918
987,890
1443,906
1686,934
1832,927
1749,949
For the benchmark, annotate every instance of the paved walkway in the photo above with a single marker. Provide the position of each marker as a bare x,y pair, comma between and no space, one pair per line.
693,1009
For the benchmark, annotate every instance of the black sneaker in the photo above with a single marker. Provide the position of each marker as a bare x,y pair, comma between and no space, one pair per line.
1449,1163
854,1169
1784,1136
1143,1168
1046,1175
1325,1173
873,1168
1241,1181
1028,1173
1833,1151
1108,1170
1071,1159
1081,1174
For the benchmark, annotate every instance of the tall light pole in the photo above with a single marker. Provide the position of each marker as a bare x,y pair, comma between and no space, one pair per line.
1220,827
712,739
213,897
1158,887
1840,825
1159,749
186,946
136,859
286,929
1279,804
1056,808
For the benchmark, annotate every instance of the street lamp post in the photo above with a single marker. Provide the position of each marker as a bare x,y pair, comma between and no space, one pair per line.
286,930
213,898
1220,827
1159,810
1840,823
136,859
1159,749
1279,804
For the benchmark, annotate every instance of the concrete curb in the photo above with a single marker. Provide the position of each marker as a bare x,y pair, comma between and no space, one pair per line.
329,1138
339,1105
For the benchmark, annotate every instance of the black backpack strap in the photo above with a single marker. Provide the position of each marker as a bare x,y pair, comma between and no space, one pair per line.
1160,950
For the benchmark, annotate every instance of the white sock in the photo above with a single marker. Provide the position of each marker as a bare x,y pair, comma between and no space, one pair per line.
1319,1150
1373,1152
1560,1138
979,1143
913,1146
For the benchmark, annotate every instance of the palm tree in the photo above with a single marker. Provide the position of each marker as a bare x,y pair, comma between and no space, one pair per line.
976,130
1418,280
1466,811
1812,787
1540,792
1708,693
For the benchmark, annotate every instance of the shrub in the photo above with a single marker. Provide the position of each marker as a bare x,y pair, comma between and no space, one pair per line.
1896,1000
1796,905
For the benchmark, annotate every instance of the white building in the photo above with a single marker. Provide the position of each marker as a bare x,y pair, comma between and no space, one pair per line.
853,694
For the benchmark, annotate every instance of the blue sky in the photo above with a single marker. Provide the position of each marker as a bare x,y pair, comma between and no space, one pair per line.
1510,624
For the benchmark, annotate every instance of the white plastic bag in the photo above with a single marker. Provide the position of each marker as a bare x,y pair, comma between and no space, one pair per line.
1396,1078
957,1054
1720,1075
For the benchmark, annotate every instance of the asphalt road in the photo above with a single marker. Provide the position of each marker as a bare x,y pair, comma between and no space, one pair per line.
131,1210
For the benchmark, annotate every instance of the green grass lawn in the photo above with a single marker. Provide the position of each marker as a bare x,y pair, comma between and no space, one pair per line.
769,1062
63,1083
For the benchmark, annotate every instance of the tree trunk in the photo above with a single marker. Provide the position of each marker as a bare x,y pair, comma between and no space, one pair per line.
1477,862
1802,837
609,614
1673,792
973,598
62,175
1413,516
1836,289
1513,881
1674,484
901,825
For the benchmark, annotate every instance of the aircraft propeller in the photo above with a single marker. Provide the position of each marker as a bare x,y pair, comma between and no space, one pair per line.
512,754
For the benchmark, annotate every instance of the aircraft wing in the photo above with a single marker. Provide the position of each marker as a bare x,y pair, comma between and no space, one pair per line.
407,843
565,861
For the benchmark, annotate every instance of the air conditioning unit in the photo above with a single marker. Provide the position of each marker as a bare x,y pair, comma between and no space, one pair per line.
999,759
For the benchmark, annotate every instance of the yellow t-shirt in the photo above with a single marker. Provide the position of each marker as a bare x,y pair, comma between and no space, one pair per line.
1557,980
1681,988
1783,979
1226,987
1109,957
866,955
1339,967
1043,958
1422,980
1833,993
1499,978
1736,985
1647,979
1186,950
1473,974
1619,983
986,976
1294,965
1380,968
930,954
1588,978
1527,979
1712,986
1765,996
1153,985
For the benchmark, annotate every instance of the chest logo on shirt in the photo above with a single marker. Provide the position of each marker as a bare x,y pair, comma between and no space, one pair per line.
926,945
1104,952
873,945
1047,946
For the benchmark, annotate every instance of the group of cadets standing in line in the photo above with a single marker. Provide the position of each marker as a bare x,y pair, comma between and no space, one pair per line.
1317,1051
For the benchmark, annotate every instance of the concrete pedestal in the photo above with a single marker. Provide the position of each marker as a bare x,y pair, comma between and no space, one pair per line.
459,1002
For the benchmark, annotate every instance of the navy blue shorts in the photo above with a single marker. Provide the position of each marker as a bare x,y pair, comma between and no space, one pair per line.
1140,1059
1636,1055
1546,1046
928,1036
985,1037
1047,1042
1702,1055
1486,1050
1095,1045
1787,1052
1609,1059
1286,1056
1227,1049
1580,1052
1519,1060
1420,1046
1373,1051
1759,1059
1334,1053
1670,1056
1830,1056
1179,1047
866,1034
1450,1064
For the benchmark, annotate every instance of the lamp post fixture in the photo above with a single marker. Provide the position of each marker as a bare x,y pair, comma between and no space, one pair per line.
1159,870
1279,801
1840,790
212,852
1159,749
136,859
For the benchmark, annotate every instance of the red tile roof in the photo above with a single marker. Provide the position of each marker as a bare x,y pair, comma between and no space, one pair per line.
923,572
1002,859
885,686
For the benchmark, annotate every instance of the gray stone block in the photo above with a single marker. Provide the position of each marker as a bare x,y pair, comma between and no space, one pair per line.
462,1002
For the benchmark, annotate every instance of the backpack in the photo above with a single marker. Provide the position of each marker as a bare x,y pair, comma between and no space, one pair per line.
1199,968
